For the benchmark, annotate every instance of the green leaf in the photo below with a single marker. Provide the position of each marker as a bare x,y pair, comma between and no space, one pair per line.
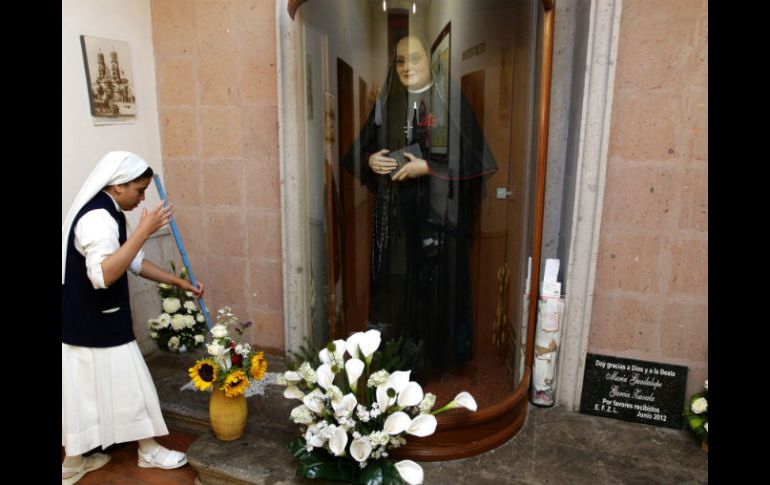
320,464
380,472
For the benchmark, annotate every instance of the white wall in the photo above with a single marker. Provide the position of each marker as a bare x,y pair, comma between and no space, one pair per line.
84,144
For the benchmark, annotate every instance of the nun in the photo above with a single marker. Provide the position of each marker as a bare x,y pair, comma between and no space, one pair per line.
108,395
426,169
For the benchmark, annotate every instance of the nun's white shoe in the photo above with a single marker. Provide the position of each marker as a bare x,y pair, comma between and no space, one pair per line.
89,464
162,458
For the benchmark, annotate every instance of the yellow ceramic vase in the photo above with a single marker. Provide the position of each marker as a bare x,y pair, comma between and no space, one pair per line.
227,415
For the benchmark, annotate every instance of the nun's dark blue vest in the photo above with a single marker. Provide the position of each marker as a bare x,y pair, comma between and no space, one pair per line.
83,322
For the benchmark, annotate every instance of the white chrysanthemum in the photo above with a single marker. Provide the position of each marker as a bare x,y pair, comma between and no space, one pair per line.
164,320
173,343
427,403
307,373
334,393
178,322
171,305
215,349
362,414
219,331
378,378
699,406
200,318
164,286
189,294
189,320
301,415
379,438
199,339
190,306
154,334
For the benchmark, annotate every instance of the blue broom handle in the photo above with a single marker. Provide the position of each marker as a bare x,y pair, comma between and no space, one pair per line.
180,245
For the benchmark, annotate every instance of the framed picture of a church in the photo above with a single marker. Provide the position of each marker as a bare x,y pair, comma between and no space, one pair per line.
109,80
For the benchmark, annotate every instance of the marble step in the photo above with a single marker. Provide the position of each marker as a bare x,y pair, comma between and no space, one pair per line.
260,456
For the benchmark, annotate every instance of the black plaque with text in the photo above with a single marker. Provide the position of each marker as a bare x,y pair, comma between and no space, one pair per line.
634,390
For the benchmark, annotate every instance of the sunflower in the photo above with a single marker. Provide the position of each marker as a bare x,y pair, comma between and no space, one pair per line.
258,365
236,383
203,374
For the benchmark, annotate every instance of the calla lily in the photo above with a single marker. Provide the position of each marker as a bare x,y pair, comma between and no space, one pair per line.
339,349
325,375
383,399
345,406
293,392
410,471
411,395
422,425
354,368
397,423
351,344
399,380
325,356
465,400
361,448
328,357
369,343
338,441
291,376
314,401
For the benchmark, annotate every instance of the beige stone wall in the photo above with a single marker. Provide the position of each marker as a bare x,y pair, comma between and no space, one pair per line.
651,299
217,107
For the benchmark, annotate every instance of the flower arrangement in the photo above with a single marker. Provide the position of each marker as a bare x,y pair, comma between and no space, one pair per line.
231,365
348,428
697,414
181,325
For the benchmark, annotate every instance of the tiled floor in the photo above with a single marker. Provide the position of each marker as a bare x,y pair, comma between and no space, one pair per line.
123,470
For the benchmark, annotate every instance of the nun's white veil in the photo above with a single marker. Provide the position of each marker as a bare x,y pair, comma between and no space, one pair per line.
115,168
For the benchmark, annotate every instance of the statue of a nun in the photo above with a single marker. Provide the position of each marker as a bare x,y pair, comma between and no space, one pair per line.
422,224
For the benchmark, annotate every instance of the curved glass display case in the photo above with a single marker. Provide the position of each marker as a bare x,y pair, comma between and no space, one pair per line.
423,125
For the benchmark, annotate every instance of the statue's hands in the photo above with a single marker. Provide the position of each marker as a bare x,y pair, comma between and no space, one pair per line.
380,164
416,167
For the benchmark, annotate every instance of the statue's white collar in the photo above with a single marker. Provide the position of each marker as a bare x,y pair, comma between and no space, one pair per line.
421,90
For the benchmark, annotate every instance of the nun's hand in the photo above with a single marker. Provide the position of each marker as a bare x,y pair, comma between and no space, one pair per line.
416,167
151,221
380,164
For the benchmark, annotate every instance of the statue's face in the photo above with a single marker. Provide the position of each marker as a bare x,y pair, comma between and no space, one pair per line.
412,64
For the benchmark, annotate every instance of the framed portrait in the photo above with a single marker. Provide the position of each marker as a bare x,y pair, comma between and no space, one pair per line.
109,80
439,59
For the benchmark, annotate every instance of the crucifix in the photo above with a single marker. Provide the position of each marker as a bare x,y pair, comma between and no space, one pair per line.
410,124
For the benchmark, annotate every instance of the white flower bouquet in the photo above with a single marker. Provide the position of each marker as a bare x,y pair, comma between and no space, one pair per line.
697,413
181,326
347,428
